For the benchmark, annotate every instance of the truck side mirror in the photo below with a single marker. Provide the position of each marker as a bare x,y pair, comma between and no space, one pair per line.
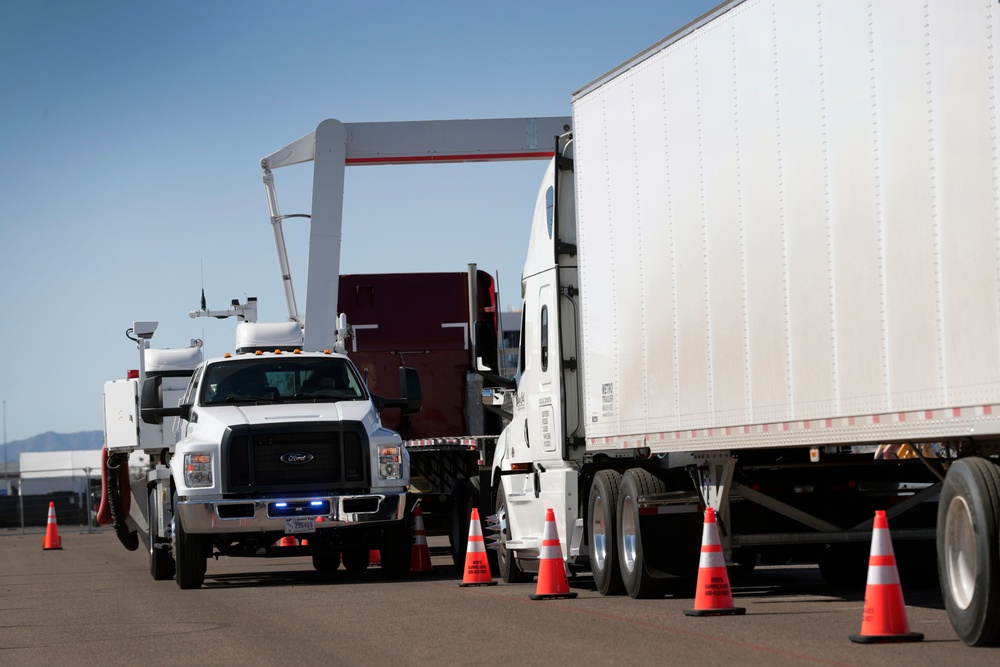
409,389
151,408
487,355
486,346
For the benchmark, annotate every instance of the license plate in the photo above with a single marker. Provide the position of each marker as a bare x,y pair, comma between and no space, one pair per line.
306,524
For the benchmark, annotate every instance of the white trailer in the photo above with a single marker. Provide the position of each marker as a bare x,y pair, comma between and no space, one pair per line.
764,276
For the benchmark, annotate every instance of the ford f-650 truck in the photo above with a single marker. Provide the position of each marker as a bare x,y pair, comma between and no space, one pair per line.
764,276
267,444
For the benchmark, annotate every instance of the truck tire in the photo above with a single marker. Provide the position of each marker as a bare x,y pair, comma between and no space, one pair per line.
466,494
510,571
161,562
458,530
968,524
357,560
396,547
602,511
189,557
639,582
326,563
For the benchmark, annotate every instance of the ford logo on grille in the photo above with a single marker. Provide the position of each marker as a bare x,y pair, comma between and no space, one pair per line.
296,458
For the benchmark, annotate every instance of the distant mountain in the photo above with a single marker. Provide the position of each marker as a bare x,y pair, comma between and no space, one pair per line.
55,442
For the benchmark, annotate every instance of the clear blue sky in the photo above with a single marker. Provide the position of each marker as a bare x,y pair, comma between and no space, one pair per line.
132,133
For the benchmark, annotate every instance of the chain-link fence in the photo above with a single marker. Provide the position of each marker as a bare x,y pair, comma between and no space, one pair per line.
75,492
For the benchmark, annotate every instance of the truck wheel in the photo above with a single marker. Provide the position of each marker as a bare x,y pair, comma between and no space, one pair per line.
357,560
510,571
326,563
465,494
189,557
968,524
603,510
396,547
458,531
161,562
638,581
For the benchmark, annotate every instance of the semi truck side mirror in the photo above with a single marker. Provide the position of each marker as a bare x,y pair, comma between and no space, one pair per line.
486,346
487,353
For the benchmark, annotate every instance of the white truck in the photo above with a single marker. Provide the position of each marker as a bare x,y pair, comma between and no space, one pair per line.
273,452
764,276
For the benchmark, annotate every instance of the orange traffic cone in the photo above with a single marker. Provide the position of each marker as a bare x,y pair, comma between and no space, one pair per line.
713,597
51,540
552,581
420,555
883,620
477,567
287,541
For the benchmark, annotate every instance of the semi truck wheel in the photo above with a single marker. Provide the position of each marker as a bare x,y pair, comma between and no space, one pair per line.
968,525
638,581
510,571
161,562
189,557
602,512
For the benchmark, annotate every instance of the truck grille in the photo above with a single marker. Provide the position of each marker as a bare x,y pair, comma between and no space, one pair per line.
269,459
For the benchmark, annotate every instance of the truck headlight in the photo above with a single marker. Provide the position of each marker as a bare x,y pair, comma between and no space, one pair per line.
198,469
389,461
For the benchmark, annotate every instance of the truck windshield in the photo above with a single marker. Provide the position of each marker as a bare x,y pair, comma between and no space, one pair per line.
280,379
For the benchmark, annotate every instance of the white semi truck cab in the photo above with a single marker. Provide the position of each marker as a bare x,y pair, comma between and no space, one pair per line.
268,443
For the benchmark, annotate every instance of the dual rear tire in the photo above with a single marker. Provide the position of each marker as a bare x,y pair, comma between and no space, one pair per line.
622,558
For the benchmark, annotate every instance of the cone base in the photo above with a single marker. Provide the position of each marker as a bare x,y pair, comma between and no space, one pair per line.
477,583
888,639
51,548
552,596
724,611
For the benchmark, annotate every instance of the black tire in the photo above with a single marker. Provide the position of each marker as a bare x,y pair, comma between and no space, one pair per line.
458,530
639,582
968,524
602,517
357,560
465,494
397,545
161,562
510,571
326,563
190,558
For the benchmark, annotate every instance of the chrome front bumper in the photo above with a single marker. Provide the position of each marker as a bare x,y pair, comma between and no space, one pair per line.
248,515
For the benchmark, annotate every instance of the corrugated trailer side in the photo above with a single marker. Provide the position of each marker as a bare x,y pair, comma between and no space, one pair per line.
790,236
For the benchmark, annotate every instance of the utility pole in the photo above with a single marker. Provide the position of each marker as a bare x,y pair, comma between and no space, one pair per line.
6,486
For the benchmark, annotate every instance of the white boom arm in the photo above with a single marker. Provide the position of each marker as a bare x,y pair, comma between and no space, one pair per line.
335,145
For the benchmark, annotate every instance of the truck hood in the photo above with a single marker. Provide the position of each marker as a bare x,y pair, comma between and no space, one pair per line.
231,415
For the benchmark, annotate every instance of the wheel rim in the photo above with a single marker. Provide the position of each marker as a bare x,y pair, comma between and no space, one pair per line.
599,529
960,538
629,534
502,523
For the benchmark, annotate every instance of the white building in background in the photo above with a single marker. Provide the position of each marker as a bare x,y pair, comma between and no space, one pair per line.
51,472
